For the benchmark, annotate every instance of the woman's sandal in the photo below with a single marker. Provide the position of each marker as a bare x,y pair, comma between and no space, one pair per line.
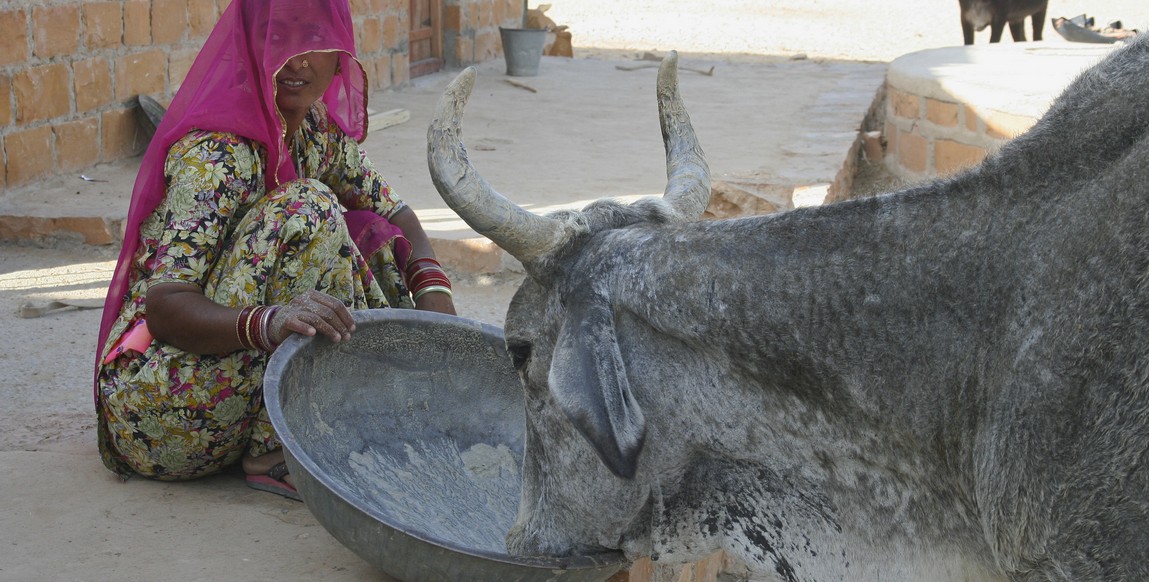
273,482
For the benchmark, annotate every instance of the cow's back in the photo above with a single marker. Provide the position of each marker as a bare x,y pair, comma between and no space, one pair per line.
1064,439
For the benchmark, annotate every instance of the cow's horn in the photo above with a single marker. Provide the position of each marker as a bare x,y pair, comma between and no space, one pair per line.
521,233
688,176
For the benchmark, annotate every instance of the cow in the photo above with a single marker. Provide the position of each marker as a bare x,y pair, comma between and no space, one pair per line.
945,382
978,14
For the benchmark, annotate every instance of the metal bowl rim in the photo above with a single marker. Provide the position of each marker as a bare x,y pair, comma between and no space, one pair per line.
277,365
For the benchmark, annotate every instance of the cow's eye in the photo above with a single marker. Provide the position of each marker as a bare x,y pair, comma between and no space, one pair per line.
520,353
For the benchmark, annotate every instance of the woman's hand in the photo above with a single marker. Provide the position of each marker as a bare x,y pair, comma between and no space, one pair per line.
434,301
311,313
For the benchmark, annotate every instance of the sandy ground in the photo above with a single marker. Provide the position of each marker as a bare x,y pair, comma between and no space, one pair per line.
837,29
47,448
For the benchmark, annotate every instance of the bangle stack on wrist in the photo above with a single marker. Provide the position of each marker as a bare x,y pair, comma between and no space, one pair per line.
251,327
425,275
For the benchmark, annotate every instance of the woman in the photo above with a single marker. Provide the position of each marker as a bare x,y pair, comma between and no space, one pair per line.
237,237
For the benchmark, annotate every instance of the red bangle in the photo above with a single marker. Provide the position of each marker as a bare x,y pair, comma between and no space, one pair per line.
413,272
414,261
424,274
253,327
427,276
256,328
241,323
421,270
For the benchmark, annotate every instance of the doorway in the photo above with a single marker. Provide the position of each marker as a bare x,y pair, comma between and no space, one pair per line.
426,44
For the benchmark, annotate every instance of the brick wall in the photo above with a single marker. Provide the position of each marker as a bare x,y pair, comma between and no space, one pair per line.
471,28
712,568
70,70
381,29
926,137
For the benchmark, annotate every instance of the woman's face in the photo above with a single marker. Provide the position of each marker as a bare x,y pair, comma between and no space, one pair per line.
294,28
302,81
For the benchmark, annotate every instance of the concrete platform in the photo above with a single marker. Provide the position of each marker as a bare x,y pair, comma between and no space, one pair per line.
947,108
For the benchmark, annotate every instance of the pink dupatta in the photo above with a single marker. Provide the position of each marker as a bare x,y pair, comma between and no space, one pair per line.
231,88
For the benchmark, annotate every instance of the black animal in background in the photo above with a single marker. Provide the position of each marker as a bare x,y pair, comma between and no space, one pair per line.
978,14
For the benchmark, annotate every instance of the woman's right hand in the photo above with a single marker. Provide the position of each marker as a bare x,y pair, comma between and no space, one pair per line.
311,313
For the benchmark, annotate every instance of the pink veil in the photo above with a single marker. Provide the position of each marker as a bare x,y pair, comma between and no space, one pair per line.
231,88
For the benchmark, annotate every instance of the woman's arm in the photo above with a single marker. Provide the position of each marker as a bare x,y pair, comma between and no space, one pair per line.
408,222
180,315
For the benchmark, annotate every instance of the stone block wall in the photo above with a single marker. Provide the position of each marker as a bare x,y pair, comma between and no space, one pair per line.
71,70
926,136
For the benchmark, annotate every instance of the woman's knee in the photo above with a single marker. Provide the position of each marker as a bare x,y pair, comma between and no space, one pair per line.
174,458
178,437
306,197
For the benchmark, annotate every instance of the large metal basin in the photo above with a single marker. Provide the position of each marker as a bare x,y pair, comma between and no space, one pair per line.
406,443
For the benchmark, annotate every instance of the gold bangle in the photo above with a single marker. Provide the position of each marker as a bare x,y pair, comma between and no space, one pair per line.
251,345
241,326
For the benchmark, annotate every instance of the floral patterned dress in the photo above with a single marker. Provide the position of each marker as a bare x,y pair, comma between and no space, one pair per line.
169,414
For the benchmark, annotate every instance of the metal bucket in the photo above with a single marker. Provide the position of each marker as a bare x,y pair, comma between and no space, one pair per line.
406,443
523,50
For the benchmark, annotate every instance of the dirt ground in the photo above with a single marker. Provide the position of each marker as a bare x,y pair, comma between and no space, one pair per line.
46,362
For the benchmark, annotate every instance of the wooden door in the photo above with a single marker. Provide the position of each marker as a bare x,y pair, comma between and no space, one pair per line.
426,37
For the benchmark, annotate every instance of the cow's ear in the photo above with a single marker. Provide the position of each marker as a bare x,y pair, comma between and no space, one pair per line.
588,379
